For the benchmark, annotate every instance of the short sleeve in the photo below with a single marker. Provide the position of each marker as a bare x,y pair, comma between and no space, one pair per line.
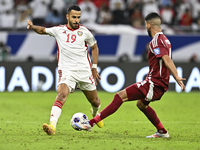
161,50
51,31
90,39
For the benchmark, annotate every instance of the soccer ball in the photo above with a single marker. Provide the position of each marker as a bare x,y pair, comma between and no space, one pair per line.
77,120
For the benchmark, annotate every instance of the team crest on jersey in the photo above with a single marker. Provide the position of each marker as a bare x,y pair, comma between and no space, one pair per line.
156,51
80,33
63,79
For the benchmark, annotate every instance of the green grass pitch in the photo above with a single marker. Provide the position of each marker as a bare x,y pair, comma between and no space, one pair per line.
22,115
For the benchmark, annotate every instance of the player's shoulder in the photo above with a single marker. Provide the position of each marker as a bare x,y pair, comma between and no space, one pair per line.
162,36
159,37
163,39
82,27
60,26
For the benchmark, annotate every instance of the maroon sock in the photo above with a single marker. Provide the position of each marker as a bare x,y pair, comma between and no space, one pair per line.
160,128
110,109
151,115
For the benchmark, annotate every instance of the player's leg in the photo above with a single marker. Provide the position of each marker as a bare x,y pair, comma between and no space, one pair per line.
131,93
92,97
95,103
87,85
153,118
151,115
154,93
62,93
119,98
66,84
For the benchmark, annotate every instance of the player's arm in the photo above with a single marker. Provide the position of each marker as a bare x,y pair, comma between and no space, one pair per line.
37,29
95,55
170,65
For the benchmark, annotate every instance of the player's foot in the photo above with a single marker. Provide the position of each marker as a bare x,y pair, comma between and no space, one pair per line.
49,129
100,124
159,135
84,126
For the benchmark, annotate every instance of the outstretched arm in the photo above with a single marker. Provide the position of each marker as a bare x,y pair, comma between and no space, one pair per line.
37,29
95,55
170,65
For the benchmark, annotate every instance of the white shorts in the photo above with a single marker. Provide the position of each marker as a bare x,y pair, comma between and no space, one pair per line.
83,79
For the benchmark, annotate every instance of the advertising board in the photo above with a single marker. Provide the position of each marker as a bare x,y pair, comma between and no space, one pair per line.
43,76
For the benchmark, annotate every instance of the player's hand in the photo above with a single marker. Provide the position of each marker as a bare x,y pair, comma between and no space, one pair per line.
180,82
30,24
96,75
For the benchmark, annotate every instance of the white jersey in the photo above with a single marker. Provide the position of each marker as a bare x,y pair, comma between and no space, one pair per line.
72,47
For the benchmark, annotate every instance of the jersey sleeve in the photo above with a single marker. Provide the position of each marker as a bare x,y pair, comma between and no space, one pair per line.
161,50
90,39
51,31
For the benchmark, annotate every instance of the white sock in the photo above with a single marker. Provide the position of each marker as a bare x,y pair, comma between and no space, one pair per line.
95,110
55,114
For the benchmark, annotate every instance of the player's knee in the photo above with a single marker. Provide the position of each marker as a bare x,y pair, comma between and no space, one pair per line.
95,102
123,95
61,96
140,105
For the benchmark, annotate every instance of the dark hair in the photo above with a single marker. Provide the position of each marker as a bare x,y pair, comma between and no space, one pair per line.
73,7
152,15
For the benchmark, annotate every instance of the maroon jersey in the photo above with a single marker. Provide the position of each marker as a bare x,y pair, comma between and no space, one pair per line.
158,72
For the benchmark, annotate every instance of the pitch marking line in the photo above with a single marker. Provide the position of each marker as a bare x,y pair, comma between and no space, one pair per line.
173,122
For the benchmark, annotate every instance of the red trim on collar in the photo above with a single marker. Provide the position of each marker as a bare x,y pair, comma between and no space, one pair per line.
71,29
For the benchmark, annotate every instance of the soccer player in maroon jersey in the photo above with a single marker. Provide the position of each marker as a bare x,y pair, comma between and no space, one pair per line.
155,84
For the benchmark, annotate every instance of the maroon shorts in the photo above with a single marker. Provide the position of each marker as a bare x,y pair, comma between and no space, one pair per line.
145,91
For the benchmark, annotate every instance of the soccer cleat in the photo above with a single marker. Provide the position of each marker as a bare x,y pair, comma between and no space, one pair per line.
84,126
49,129
100,124
159,135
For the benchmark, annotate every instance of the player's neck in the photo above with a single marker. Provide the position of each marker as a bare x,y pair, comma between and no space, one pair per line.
154,32
69,27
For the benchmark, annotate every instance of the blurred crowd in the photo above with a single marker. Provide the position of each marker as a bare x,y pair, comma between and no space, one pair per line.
178,14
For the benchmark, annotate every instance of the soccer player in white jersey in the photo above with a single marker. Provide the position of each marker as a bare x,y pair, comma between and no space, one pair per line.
74,65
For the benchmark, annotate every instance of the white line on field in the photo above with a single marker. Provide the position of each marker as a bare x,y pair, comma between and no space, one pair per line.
16,122
171,122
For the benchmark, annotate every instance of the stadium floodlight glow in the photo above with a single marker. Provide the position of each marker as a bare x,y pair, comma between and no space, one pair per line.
141,73
36,70
2,79
120,79
18,79
194,80
98,69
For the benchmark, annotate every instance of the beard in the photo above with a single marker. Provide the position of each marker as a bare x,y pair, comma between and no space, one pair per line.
149,32
73,25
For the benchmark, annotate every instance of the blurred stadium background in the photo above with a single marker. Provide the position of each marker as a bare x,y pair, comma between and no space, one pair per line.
28,60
